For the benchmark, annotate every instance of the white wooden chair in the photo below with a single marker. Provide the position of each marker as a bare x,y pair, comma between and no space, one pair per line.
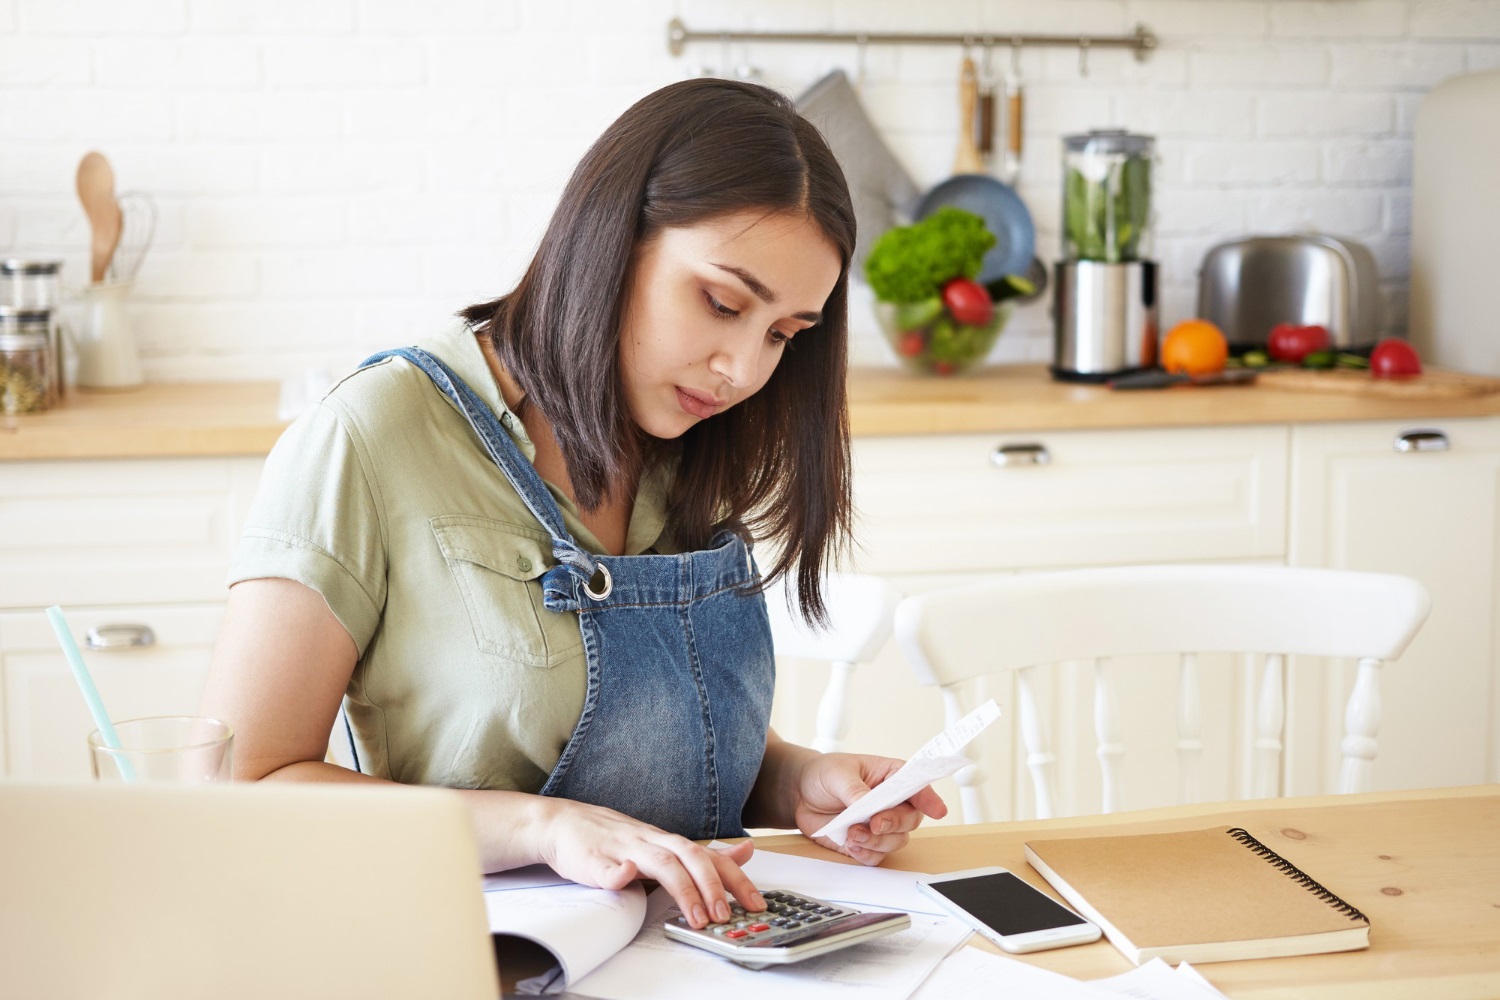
1022,623
860,613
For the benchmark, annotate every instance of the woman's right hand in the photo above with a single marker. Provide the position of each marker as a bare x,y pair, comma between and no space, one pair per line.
596,846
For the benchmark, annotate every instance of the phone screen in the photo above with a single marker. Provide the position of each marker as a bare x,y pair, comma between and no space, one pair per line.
1006,903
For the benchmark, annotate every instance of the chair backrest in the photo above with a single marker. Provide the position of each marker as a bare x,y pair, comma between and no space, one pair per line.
861,609
1020,623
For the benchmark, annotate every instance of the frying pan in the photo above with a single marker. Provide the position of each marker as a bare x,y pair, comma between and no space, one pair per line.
1003,212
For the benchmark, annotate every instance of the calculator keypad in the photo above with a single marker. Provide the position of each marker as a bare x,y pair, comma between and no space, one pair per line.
785,912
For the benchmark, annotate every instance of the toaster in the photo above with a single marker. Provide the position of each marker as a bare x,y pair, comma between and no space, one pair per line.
1249,285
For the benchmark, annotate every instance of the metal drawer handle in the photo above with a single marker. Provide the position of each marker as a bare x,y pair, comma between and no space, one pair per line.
1008,455
1422,441
119,636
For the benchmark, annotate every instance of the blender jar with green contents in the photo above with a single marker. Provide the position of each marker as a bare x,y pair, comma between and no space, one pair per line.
1105,308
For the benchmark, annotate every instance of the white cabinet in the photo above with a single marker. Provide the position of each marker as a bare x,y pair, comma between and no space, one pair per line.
935,511
1361,502
939,511
46,720
1069,498
129,547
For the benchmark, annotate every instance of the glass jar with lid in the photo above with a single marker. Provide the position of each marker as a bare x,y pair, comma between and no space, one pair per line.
27,362
29,284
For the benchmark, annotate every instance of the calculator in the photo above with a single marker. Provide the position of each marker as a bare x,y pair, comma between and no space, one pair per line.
793,926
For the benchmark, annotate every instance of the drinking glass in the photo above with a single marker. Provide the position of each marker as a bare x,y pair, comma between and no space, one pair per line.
184,749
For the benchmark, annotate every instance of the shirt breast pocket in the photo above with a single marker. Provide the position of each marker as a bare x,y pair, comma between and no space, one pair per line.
497,568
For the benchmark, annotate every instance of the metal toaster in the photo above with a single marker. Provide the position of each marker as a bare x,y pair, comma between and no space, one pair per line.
1249,285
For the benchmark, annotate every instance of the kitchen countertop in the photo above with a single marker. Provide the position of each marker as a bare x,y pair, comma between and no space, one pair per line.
239,418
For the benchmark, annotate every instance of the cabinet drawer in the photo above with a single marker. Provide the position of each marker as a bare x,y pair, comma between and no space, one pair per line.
111,532
45,720
1069,498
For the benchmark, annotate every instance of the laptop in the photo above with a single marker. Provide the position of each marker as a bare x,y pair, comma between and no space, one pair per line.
240,891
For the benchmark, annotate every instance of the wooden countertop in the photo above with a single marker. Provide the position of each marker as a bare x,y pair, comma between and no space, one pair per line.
1026,398
1434,914
239,418
159,420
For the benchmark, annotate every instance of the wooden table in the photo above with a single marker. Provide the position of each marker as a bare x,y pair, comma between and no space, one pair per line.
1423,865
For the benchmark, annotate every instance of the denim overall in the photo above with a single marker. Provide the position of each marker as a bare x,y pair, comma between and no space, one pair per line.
680,664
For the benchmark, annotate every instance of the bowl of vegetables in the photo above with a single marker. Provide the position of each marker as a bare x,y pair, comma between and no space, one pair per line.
937,318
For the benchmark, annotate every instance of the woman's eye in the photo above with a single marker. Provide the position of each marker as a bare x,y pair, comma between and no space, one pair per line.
719,309
777,337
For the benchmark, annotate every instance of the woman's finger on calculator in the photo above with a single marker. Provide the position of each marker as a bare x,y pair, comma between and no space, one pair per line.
696,877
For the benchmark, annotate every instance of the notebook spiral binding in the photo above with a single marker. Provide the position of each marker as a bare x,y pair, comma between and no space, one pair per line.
1297,874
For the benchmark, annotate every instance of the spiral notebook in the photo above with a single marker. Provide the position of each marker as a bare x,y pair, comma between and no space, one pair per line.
1215,895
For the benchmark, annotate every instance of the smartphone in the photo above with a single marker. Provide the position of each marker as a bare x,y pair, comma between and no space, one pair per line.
1008,910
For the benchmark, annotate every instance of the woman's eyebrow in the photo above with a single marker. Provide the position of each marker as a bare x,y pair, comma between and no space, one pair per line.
764,293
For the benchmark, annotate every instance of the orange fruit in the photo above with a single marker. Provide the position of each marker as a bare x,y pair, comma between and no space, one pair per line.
1194,347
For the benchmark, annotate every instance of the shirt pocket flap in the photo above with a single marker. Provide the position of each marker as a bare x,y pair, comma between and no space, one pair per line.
507,549
496,567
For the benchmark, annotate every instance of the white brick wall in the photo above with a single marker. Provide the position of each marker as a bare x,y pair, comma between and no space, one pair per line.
341,175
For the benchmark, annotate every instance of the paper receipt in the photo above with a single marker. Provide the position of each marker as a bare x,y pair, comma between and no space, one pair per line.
938,758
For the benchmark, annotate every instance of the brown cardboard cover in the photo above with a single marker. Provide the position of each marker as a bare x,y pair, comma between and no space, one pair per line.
1202,895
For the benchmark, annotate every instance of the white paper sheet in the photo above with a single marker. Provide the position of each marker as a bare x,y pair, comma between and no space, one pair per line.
938,758
858,886
1193,974
1156,980
580,926
973,974
654,967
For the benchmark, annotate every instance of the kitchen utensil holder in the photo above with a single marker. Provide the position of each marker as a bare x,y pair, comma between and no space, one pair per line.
107,356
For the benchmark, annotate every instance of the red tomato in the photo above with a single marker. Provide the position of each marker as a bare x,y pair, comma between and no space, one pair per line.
1293,342
968,302
1393,358
911,344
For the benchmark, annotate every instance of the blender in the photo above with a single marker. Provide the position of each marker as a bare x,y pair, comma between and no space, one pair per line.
1105,309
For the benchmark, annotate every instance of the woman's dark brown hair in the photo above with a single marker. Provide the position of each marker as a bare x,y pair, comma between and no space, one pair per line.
778,462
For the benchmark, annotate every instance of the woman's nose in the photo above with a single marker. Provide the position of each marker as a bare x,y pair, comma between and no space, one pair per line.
736,361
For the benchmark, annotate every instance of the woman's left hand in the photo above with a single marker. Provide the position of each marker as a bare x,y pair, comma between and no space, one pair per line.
830,782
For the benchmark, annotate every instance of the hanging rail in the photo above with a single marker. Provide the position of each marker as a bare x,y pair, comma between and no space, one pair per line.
1142,41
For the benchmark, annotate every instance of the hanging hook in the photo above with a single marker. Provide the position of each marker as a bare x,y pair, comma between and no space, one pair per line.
861,43
1015,55
1083,56
725,65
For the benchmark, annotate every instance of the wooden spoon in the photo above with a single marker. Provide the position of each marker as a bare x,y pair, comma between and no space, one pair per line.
968,160
96,189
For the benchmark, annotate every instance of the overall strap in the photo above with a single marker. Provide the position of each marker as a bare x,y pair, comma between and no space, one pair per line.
520,472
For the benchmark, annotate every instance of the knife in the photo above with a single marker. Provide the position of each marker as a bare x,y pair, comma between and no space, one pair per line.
1158,379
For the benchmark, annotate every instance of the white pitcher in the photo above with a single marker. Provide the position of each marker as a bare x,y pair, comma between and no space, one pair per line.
107,356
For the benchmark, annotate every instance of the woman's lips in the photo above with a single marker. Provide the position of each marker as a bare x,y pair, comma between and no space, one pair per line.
701,407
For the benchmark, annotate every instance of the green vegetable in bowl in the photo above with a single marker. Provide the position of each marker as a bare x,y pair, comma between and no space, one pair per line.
913,263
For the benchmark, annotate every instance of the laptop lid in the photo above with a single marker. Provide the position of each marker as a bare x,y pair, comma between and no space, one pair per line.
240,891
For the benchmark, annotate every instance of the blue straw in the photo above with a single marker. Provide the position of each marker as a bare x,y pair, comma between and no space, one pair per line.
90,692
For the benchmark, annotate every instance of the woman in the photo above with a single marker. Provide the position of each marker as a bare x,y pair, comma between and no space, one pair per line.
518,553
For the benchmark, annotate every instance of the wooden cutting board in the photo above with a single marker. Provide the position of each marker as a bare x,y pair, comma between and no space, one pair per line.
1430,384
